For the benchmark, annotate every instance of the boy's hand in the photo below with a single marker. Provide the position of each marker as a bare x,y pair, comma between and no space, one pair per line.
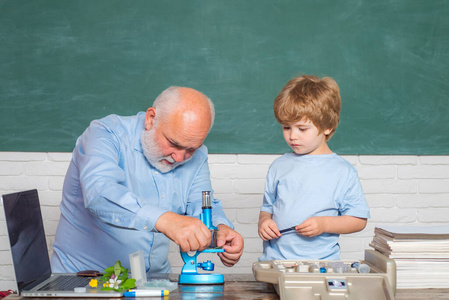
342,225
311,227
268,230
267,227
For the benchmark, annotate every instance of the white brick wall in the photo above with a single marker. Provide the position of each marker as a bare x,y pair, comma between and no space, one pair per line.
399,190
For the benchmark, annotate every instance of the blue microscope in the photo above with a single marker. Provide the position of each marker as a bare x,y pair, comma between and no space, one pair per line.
189,274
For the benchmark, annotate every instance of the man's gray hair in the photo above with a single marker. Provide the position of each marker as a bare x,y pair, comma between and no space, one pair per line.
168,100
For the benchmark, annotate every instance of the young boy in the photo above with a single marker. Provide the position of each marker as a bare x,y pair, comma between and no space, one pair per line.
312,189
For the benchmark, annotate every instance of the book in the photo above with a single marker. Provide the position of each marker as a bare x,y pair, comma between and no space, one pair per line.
414,232
421,254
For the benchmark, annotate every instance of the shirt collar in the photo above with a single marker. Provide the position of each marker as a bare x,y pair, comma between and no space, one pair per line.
139,129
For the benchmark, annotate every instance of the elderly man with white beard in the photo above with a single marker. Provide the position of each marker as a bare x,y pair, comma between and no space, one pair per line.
136,182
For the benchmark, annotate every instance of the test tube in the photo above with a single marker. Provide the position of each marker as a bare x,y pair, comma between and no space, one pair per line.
361,268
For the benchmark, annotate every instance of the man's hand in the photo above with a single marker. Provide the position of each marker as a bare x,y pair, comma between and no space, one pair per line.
189,233
232,243
268,229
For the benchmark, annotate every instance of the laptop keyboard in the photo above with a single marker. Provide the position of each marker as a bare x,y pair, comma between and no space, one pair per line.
66,283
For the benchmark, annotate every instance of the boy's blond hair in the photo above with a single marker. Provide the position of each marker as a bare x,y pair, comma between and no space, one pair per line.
309,98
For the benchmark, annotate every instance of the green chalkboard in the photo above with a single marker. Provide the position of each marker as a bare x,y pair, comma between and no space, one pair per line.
64,63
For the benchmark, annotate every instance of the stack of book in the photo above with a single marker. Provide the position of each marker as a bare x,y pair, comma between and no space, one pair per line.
421,254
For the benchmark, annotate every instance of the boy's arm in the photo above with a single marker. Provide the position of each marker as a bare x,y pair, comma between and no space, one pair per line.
267,227
343,224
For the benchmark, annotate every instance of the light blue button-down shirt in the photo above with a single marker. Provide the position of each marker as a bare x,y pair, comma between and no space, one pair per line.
112,198
302,186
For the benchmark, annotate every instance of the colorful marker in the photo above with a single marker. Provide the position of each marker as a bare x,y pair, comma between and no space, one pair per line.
145,293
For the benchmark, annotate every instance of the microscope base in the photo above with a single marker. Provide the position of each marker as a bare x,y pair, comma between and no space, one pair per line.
201,279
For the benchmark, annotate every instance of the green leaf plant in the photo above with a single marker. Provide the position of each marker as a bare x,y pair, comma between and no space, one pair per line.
116,278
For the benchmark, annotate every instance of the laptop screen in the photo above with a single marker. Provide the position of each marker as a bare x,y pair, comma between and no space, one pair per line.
27,238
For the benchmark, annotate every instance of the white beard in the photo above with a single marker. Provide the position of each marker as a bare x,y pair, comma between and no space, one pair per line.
153,153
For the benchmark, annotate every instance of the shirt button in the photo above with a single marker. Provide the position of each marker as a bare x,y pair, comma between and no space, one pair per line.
116,220
145,227
162,196
156,172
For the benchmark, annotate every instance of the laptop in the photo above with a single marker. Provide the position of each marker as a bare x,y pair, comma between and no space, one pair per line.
30,255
